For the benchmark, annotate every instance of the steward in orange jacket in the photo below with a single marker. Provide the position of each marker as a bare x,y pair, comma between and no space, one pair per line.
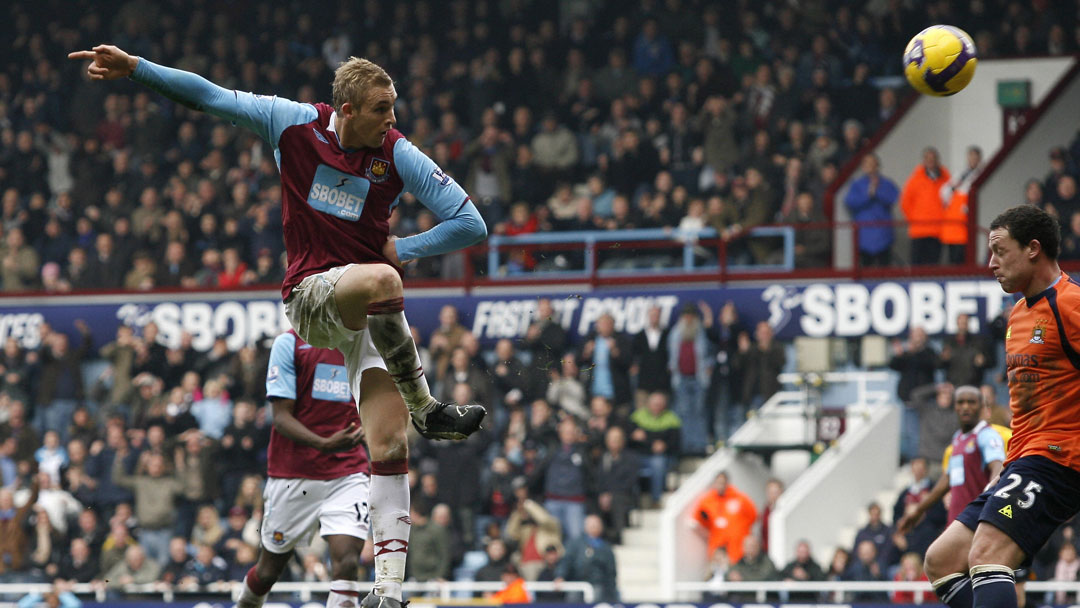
727,515
923,208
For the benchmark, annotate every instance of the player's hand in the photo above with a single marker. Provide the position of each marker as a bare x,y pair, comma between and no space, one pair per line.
109,62
390,252
345,439
906,523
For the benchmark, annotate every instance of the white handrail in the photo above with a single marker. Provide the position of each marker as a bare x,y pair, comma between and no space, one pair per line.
444,589
839,588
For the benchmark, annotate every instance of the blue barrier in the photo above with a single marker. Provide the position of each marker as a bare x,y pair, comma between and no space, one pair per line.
687,240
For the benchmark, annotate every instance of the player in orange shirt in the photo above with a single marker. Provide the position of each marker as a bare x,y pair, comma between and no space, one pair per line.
1038,489
727,515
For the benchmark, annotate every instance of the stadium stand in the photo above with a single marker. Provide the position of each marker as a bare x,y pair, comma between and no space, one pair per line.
556,117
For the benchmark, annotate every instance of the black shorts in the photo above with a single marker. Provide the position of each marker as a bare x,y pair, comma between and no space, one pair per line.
1031,499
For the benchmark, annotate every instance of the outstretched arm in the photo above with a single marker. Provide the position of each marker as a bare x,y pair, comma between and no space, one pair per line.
461,224
266,116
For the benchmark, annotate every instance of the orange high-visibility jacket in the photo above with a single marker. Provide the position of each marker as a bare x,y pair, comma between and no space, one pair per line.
728,518
921,203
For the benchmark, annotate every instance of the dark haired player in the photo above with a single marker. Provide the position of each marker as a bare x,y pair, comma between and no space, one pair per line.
317,469
343,168
972,562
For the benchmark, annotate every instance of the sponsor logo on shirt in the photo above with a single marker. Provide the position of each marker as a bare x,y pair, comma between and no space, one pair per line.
337,193
331,383
379,170
273,374
320,136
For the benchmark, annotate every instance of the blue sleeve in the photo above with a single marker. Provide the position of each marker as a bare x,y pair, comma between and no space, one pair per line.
461,224
856,197
991,445
69,600
267,117
29,600
281,373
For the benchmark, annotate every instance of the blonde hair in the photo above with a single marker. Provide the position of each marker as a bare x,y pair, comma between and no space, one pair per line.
354,77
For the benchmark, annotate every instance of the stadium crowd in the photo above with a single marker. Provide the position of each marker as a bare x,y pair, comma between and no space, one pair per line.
555,116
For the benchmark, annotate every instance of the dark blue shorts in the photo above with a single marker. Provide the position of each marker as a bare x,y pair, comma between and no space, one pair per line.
1031,499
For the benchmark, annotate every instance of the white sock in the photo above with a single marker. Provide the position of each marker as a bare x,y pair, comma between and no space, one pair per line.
390,524
390,334
343,594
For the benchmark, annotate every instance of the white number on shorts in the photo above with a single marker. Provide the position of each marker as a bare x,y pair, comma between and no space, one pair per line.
1029,495
1030,490
1014,481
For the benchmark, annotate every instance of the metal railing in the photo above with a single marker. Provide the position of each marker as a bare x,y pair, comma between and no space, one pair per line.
443,590
841,591
590,242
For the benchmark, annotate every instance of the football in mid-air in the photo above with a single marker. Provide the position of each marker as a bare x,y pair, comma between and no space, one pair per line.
940,60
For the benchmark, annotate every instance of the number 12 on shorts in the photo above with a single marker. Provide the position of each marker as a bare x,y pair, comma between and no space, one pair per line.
1029,491
362,513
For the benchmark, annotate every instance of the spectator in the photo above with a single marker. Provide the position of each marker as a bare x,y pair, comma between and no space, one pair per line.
565,389
57,502
726,515
14,542
802,567
121,357
566,479
760,365
514,592
650,347
554,148
916,361
923,208
195,467
20,263
460,371
724,397
880,535
545,339
497,560
79,565
870,201
1066,569
689,366
155,492
173,570
933,405
954,227
608,355
966,357
51,457
590,558
241,446
866,567
531,527
616,483
136,569
655,437
205,568
60,381
508,378
213,411
927,529
910,570
839,566
430,545
753,565
115,546
773,489
548,574
446,338
813,246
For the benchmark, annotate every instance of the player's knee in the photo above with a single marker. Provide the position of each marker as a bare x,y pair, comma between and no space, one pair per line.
385,282
940,562
389,445
346,567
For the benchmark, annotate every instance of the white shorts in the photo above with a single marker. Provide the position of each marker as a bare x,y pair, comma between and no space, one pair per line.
295,508
313,313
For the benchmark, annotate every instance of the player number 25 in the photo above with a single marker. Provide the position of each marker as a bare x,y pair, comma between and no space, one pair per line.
1029,491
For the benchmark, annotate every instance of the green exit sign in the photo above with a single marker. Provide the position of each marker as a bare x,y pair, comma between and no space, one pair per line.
1014,93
